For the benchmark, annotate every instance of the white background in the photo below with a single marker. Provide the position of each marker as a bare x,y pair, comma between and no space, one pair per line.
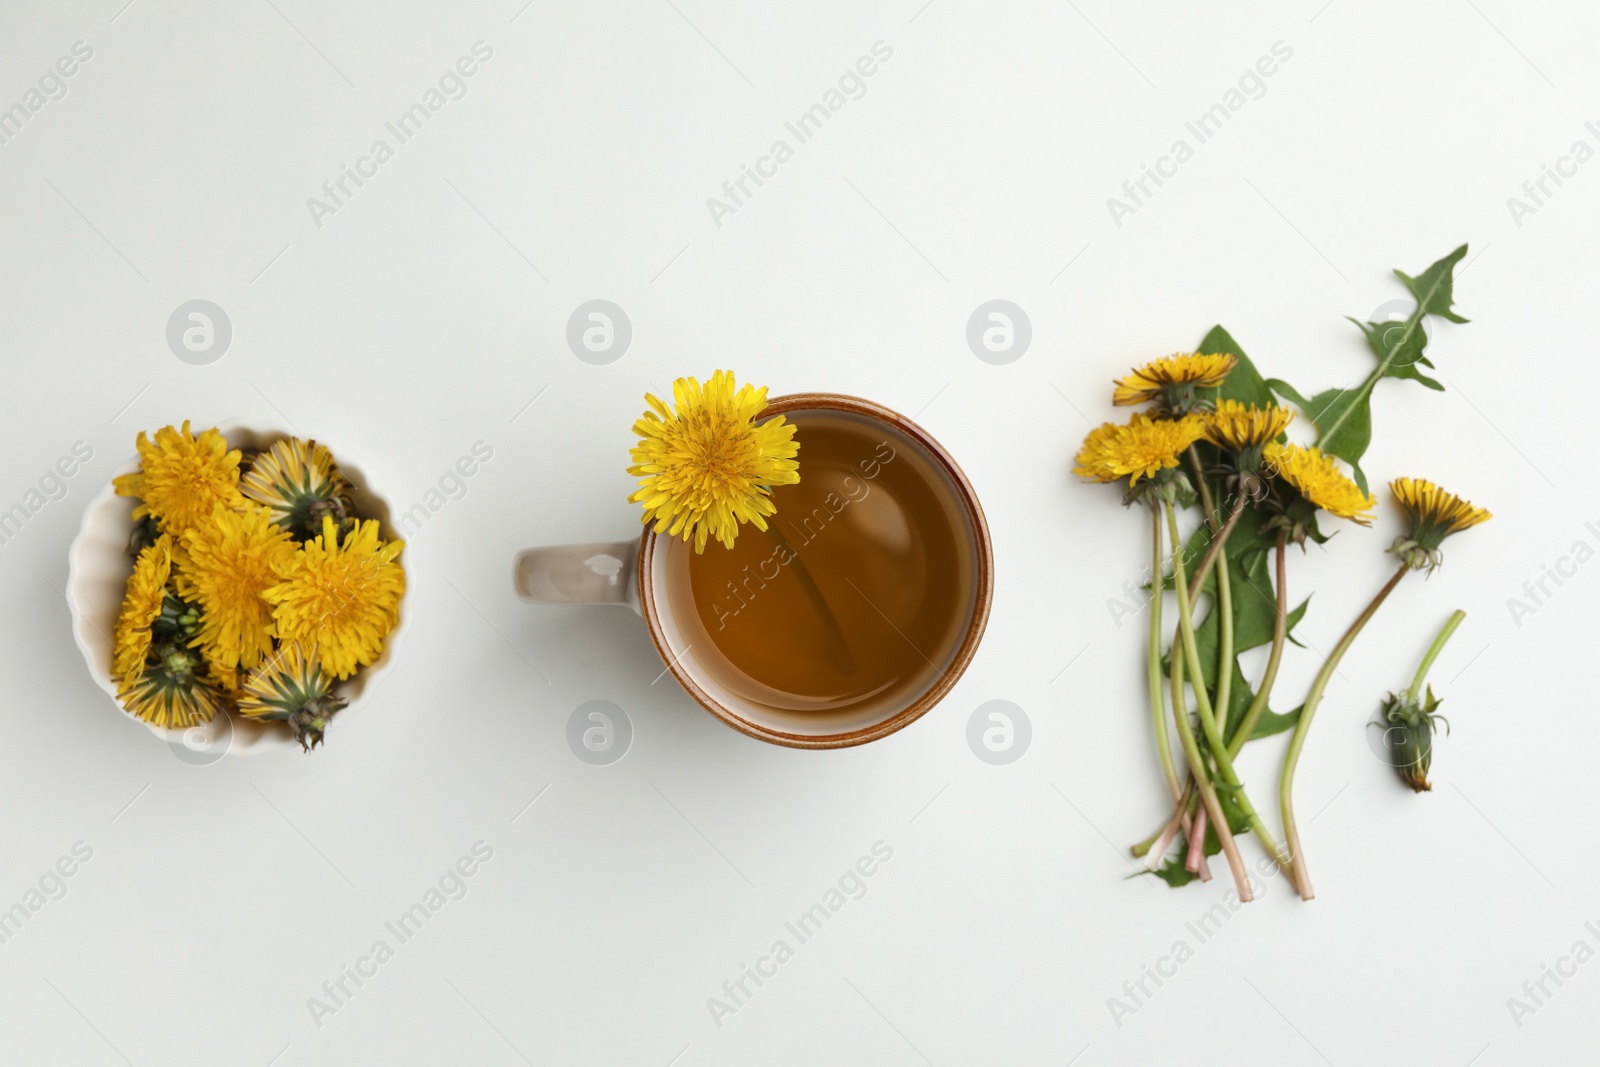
426,314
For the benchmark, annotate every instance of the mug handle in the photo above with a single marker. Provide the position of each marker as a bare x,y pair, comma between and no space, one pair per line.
595,573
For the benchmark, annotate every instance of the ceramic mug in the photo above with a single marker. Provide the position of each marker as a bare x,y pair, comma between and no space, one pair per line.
649,576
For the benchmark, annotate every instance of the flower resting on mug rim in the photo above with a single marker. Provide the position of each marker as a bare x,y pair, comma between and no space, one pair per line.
705,465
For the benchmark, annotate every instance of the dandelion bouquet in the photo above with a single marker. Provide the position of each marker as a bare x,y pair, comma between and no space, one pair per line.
1212,435
256,587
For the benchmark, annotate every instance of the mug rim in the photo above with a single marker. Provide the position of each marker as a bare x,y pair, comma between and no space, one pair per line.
965,650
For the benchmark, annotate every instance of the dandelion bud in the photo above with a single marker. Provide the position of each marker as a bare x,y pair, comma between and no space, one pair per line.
1408,729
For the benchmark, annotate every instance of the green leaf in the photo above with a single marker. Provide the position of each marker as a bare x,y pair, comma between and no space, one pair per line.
1398,346
1244,383
1272,723
1173,872
1236,817
1343,417
1433,289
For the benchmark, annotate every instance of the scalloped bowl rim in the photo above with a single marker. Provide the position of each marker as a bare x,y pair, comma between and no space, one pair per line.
97,572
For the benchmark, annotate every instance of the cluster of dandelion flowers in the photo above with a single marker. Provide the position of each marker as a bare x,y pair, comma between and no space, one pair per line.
299,482
341,595
254,589
1172,382
1433,514
706,465
226,566
182,478
1143,447
1317,480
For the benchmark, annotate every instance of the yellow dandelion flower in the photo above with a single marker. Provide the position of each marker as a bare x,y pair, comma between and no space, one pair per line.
299,481
344,598
1431,508
141,606
182,478
227,680
1319,481
291,687
1240,427
708,466
1175,376
1141,448
168,694
1094,460
226,565
1434,514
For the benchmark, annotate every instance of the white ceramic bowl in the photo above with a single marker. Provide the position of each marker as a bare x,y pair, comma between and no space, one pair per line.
98,566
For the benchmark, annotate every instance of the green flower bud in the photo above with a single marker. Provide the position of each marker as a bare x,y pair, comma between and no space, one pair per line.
1408,729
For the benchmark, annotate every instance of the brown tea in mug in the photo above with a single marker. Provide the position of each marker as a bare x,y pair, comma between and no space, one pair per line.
860,595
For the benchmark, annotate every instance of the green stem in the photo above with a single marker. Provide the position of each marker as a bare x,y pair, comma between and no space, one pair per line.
1208,721
1219,538
1157,700
1203,487
1325,433
1280,631
1183,811
1225,630
840,646
1415,692
1307,713
1187,804
1201,780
